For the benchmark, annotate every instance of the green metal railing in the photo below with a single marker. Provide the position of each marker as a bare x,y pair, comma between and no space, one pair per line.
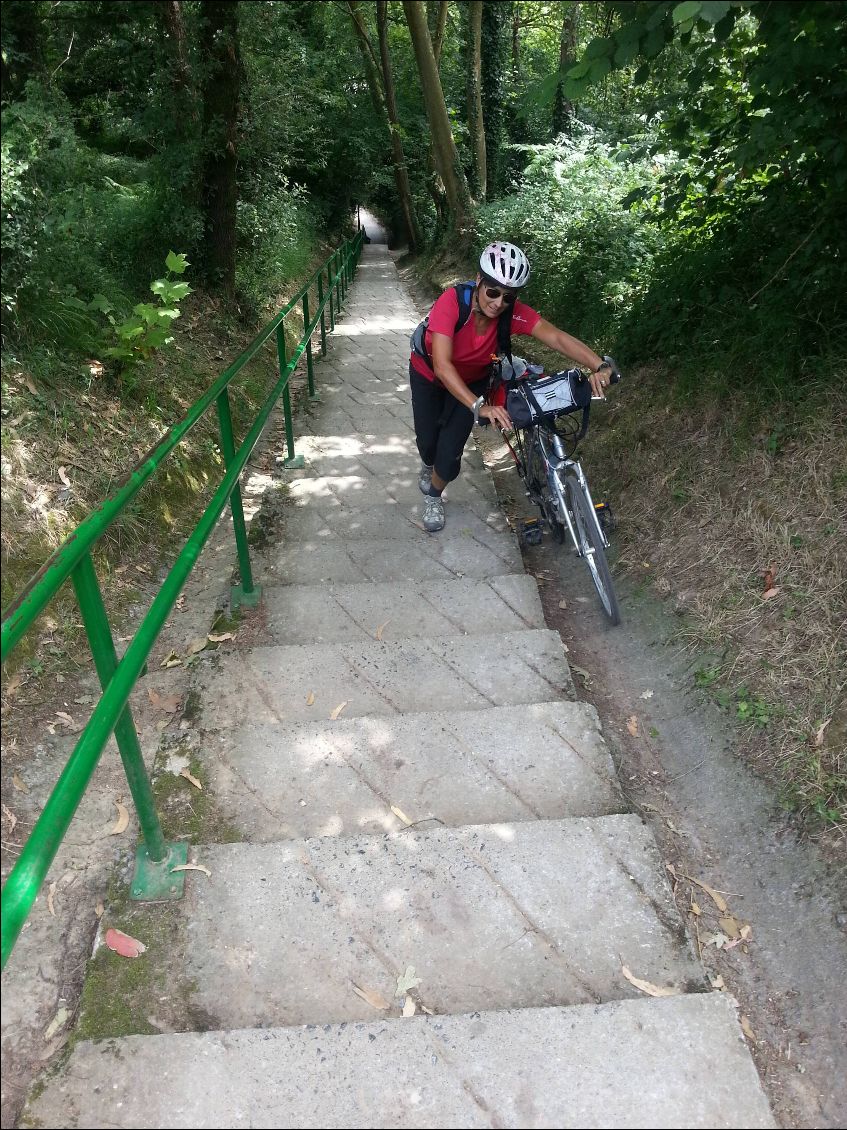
155,860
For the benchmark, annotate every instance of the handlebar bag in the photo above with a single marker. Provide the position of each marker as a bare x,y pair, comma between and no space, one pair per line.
545,399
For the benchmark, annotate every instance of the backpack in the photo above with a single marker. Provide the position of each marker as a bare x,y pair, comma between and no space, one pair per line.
464,296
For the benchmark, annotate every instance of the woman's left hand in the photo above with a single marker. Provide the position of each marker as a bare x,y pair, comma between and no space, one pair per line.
496,415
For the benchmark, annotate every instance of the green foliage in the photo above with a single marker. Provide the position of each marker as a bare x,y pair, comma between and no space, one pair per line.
148,327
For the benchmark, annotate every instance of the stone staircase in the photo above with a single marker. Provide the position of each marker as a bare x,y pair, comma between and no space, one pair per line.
417,791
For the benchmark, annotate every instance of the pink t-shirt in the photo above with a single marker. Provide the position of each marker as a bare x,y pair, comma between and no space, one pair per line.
472,352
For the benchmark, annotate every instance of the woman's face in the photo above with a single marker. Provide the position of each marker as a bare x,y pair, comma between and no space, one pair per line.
493,299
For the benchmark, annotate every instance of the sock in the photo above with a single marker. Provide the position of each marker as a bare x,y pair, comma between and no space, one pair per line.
434,492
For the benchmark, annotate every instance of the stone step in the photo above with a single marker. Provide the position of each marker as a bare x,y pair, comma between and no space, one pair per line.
363,487
339,613
308,682
479,521
342,419
678,1062
509,915
324,453
303,779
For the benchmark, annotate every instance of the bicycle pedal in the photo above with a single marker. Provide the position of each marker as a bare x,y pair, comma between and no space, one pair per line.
605,515
532,531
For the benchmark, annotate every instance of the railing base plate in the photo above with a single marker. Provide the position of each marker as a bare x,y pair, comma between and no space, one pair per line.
238,598
295,463
155,881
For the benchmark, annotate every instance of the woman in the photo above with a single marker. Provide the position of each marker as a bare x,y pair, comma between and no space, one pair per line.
450,376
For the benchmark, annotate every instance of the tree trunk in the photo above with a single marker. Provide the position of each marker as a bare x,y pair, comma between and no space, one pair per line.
443,146
476,126
221,90
562,106
22,55
401,170
172,20
496,21
368,57
436,16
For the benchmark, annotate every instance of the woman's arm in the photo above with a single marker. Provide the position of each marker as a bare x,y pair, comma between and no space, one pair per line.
576,350
443,367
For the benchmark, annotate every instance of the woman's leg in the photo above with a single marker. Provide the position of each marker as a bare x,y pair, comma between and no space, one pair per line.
456,425
428,399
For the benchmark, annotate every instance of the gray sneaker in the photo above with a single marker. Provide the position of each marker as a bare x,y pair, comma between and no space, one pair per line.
433,515
425,480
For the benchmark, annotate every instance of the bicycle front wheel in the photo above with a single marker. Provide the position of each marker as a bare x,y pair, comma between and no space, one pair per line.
591,548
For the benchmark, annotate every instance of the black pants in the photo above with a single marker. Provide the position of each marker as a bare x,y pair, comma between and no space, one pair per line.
442,423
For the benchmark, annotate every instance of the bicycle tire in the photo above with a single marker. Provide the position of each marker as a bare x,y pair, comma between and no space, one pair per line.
545,502
592,549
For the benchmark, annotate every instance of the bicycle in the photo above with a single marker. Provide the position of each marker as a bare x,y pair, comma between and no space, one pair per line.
545,458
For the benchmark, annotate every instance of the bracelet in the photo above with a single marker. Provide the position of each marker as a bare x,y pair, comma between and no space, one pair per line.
475,407
603,365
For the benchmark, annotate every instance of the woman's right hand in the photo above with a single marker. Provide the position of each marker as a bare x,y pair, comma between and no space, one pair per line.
496,415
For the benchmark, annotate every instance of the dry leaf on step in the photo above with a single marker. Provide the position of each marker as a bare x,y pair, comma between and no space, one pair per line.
632,725
99,910
189,776
695,909
10,816
122,820
171,660
50,895
381,629
61,1018
191,867
310,701
19,784
196,645
747,1030
338,710
646,986
563,604
408,1007
646,694
372,997
123,944
406,981
401,815
717,899
63,475
220,639
729,926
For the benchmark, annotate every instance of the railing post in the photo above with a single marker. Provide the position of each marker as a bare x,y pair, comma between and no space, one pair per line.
155,857
293,461
246,594
331,295
323,311
310,372
339,297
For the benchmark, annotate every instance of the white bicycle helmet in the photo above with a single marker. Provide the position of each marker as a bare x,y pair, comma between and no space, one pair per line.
505,264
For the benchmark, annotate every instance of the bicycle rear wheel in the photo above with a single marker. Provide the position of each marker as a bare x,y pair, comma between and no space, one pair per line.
591,548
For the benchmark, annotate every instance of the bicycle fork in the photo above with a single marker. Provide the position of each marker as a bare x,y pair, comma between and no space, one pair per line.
555,469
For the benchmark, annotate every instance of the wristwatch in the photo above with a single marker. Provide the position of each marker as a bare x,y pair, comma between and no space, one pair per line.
475,407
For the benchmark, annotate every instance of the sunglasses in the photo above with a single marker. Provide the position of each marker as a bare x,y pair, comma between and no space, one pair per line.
494,292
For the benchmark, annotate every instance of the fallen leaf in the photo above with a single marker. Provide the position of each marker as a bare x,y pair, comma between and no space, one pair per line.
428,1011
196,645
99,910
381,628
167,702
220,639
61,1018
695,909
171,660
338,710
15,684
406,981
372,997
584,675
10,816
717,899
718,940
122,821
768,578
192,867
770,592
67,720
718,982
729,926
123,944
310,701
632,725
401,815
746,932
818,742
30,384
563,604
747,1030
189,776
180,602
50,895
646,986
63,475
19,785
646,694
409,1007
